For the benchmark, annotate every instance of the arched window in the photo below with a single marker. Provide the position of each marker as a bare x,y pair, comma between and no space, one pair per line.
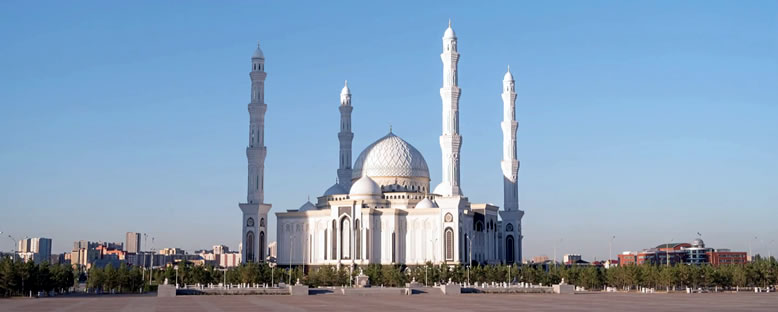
449,236
250,246
345,239
261,246
509,257
334,250
325,244
262,222
357,240
367,244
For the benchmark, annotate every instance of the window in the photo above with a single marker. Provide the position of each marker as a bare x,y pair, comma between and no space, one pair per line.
250,222
334,251
261,246
325,244
345,239
509,256
393,248
449,244
262,222
357,240
509,228
250,246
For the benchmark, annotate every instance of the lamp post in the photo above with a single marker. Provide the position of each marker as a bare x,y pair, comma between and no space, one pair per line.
272,274
610,250
555,245
667,251
434,258
470,261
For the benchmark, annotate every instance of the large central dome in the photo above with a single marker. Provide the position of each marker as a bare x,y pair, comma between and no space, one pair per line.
390,161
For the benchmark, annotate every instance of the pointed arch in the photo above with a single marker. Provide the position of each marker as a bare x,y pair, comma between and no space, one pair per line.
250,246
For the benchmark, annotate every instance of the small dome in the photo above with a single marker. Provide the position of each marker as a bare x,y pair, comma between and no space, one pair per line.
508,75
345,89
307,206
449,34
365,186
335,190
426,203
258,53
698,243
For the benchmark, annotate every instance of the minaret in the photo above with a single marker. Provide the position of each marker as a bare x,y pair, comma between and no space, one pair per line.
255,210
450,140
509,163
510,215
345,136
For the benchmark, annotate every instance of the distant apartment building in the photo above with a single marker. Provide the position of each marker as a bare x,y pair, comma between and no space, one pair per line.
571,258
220,256
83,253
220,249
229,259
37,249
132,242
171,251
272,250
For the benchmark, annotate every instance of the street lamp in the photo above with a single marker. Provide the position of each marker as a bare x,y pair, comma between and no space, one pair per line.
555,245
610,250
470,262
667,251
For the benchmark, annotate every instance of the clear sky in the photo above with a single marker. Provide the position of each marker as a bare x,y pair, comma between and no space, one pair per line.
649,121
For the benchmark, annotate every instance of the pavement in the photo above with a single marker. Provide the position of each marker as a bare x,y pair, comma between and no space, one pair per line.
424,302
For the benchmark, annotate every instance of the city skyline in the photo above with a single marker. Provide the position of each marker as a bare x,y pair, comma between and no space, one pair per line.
650,132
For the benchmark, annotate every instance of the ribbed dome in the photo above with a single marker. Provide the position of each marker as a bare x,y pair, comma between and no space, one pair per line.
335,190
365,186
307,206
426,203
258,53
391,156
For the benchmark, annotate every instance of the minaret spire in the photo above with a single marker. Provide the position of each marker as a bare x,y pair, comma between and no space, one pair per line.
509,163
450,140
345,136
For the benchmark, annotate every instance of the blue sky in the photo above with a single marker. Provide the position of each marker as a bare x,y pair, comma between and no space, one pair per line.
647,121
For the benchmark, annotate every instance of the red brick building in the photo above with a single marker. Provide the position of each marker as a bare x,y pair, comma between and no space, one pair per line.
725,257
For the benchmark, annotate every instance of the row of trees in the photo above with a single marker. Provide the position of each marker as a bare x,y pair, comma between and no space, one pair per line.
22,278
19,278
761,273
116,280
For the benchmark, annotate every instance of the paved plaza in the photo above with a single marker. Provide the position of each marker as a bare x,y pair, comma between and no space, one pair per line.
465,302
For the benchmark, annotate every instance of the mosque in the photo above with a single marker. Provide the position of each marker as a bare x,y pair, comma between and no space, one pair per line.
382,210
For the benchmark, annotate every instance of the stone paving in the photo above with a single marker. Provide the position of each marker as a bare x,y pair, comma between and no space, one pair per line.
424,302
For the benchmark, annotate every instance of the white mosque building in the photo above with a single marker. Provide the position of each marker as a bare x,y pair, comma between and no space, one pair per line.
383,210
